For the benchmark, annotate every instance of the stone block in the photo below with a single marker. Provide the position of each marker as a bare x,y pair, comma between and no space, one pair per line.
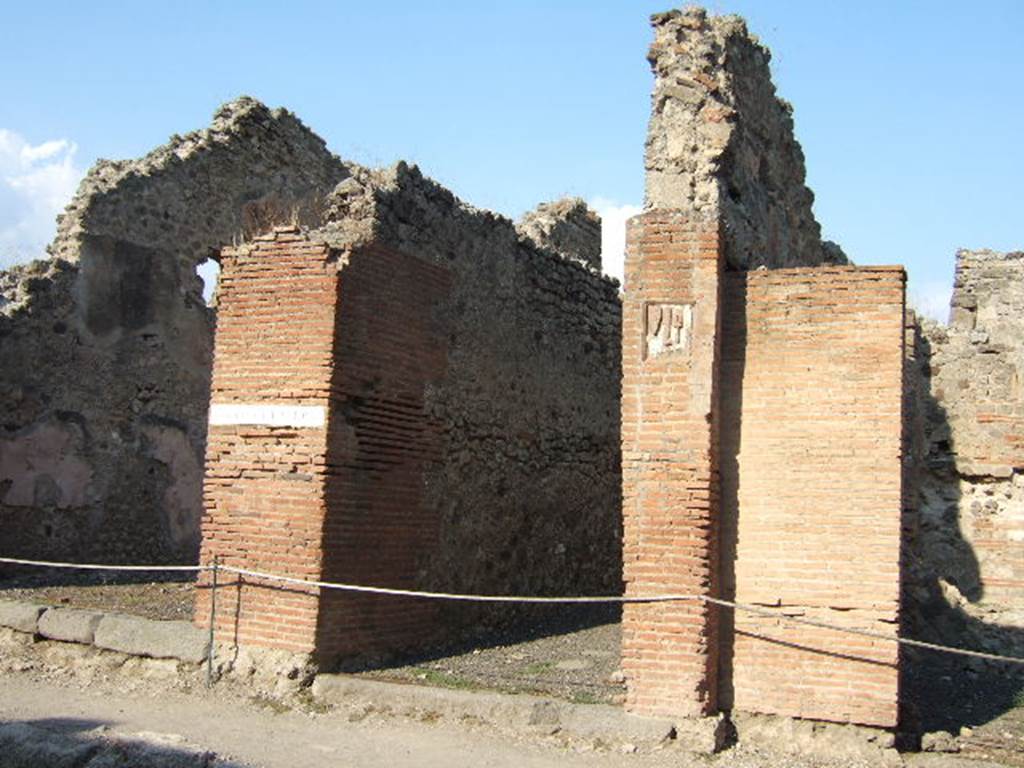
23,617
145,637
69,625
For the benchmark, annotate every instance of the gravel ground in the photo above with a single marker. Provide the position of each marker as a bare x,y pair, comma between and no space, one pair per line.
152,595
571,654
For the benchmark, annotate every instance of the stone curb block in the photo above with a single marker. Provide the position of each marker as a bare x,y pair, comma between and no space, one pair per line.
24,617
159,639
500,710
69,624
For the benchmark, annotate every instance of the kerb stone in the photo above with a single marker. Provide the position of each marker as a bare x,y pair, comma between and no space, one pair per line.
159,639
23,617
69,625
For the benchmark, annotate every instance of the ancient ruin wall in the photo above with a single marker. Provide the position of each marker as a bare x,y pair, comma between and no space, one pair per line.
966,576
472,420
106,348
720,143
251,168
263,490
527,488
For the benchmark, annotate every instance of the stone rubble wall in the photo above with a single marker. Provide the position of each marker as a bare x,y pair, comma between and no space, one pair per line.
720,143
106,348
966,575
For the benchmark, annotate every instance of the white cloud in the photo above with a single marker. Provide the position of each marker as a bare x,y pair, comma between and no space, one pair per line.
36,182
931,298
613,233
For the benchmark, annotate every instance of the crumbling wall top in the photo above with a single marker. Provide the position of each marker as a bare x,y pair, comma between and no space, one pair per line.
21,283
720,142
567,226
988,294
251,168
400,206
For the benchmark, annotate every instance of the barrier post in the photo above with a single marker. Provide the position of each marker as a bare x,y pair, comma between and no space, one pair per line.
213,618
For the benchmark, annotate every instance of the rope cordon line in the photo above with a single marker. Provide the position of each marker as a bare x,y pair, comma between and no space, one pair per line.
621,599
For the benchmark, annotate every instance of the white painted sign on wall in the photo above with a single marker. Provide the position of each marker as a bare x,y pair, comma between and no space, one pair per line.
268,415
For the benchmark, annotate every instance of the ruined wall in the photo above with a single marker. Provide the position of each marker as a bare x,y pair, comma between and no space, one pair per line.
966,575
811,489
528,485
472,432
106,349
720,142
762,453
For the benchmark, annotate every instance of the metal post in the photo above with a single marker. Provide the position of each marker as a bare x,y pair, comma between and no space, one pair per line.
213,618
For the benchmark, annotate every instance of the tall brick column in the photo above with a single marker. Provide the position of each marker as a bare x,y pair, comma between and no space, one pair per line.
319,439
669,460
266,453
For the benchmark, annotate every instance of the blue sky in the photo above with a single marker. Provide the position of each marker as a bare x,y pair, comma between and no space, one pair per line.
910,114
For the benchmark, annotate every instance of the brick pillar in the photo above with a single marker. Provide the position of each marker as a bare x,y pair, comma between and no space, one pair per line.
266,453
669,460
320,436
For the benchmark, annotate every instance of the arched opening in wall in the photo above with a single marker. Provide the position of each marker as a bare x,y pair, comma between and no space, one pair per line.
208,271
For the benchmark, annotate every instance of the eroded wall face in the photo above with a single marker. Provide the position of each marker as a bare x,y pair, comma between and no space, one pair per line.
669,462
966,572
103,385
105,351
267,448
811,490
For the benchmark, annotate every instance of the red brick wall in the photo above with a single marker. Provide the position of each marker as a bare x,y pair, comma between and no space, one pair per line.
355,334
669,467
391,346
811,489
264,486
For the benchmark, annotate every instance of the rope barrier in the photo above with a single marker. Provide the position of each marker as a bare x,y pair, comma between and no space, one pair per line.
98,567
621,599
456,596
863,632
